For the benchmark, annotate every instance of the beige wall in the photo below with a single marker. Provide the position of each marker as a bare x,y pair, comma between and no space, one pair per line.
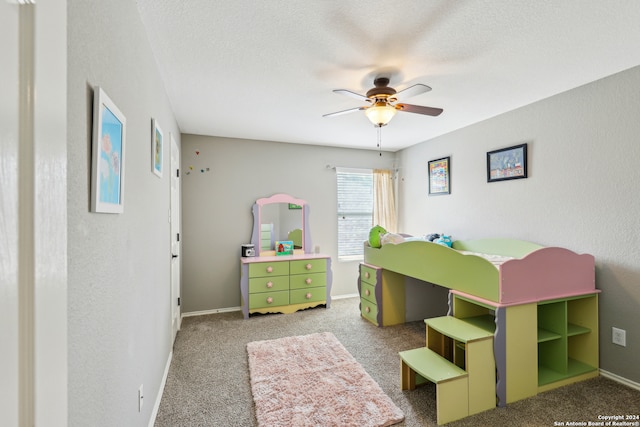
217,204
582,192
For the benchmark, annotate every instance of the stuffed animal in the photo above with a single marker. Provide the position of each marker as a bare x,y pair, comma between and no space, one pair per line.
431,237
444,240
374,236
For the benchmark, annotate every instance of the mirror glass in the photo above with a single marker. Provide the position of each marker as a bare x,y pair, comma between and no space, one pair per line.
280,217
280,222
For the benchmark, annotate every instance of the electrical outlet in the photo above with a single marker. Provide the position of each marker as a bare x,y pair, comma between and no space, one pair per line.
140,398
619,336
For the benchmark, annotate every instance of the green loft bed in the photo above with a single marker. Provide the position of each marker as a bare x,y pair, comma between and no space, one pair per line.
534,273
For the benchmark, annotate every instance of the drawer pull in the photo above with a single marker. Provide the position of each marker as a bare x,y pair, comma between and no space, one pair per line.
367,292
269,284
367,275
308,295
308,281
269,300
367,309
308,266
269,269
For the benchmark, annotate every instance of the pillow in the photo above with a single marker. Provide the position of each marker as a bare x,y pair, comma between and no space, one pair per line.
374,236
391,238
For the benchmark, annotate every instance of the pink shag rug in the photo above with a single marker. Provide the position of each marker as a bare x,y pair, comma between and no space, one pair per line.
312,380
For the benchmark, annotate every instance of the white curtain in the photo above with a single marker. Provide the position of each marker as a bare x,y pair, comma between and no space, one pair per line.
384,202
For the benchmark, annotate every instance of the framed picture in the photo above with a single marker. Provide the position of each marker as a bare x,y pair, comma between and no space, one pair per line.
284,247
107,155
156,148
507,163
440,176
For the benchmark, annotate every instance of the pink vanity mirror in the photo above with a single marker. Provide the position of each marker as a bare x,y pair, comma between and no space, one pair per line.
281,222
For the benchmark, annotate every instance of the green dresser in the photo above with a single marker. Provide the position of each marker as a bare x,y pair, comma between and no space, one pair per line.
278,284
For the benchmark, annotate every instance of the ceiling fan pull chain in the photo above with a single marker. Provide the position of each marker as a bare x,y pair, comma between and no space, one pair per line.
380,140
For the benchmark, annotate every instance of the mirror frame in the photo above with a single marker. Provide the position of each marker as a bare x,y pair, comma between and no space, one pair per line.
307,246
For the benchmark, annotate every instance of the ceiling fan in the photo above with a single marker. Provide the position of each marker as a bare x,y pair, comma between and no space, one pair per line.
383,102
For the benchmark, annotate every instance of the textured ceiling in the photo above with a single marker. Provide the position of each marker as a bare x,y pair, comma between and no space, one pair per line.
266,69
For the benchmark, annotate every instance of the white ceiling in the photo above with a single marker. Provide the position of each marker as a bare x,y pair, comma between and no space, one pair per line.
265,69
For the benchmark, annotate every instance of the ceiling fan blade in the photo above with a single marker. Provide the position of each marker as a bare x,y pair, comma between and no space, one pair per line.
352,94
338,113
414,90
419,109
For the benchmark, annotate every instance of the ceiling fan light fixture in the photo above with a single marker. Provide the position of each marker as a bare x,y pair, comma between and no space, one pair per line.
380,113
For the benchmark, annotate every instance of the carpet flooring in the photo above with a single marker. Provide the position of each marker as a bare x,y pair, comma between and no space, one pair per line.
208,382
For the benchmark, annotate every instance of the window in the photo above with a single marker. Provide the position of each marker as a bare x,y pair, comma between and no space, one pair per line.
355,211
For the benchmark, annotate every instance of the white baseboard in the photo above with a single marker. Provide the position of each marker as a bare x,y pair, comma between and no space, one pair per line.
619,379
344,296
231,309
214,311
156,405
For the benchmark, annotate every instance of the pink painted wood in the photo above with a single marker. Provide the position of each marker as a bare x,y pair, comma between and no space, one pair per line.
546,273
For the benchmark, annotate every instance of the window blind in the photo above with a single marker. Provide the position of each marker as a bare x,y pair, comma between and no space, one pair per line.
355,211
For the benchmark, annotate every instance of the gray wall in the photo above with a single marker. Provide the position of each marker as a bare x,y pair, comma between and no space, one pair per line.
582,192
118,288
217,204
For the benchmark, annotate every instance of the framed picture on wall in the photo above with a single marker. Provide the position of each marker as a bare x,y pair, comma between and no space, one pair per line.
107,155
440,176
156,148
507,163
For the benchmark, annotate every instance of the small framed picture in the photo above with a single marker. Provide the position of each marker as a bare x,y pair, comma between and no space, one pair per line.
156,148
440,176
507,163
284,247
107,155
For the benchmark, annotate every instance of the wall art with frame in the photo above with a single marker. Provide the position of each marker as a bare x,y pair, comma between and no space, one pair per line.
107,152
507,163
440,176
156,148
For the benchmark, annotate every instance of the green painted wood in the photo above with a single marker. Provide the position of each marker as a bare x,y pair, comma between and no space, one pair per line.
431,365
261,284
269,299
440,265
309,280
458,329
264,269
300,296
304,266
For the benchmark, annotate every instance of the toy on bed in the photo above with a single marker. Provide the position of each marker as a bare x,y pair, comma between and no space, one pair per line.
375,235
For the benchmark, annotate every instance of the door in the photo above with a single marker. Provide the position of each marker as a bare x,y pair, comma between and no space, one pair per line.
175,237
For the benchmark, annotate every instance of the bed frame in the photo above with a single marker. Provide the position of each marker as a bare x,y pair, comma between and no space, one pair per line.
541,306
536,273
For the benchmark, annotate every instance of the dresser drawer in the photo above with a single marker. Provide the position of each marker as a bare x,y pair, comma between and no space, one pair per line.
268,299
268,284
309,266
369,311
368,292
310,280
299,296
368,274
263,269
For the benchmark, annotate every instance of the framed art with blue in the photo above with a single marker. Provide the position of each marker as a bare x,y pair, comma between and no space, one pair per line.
507,163
107,155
